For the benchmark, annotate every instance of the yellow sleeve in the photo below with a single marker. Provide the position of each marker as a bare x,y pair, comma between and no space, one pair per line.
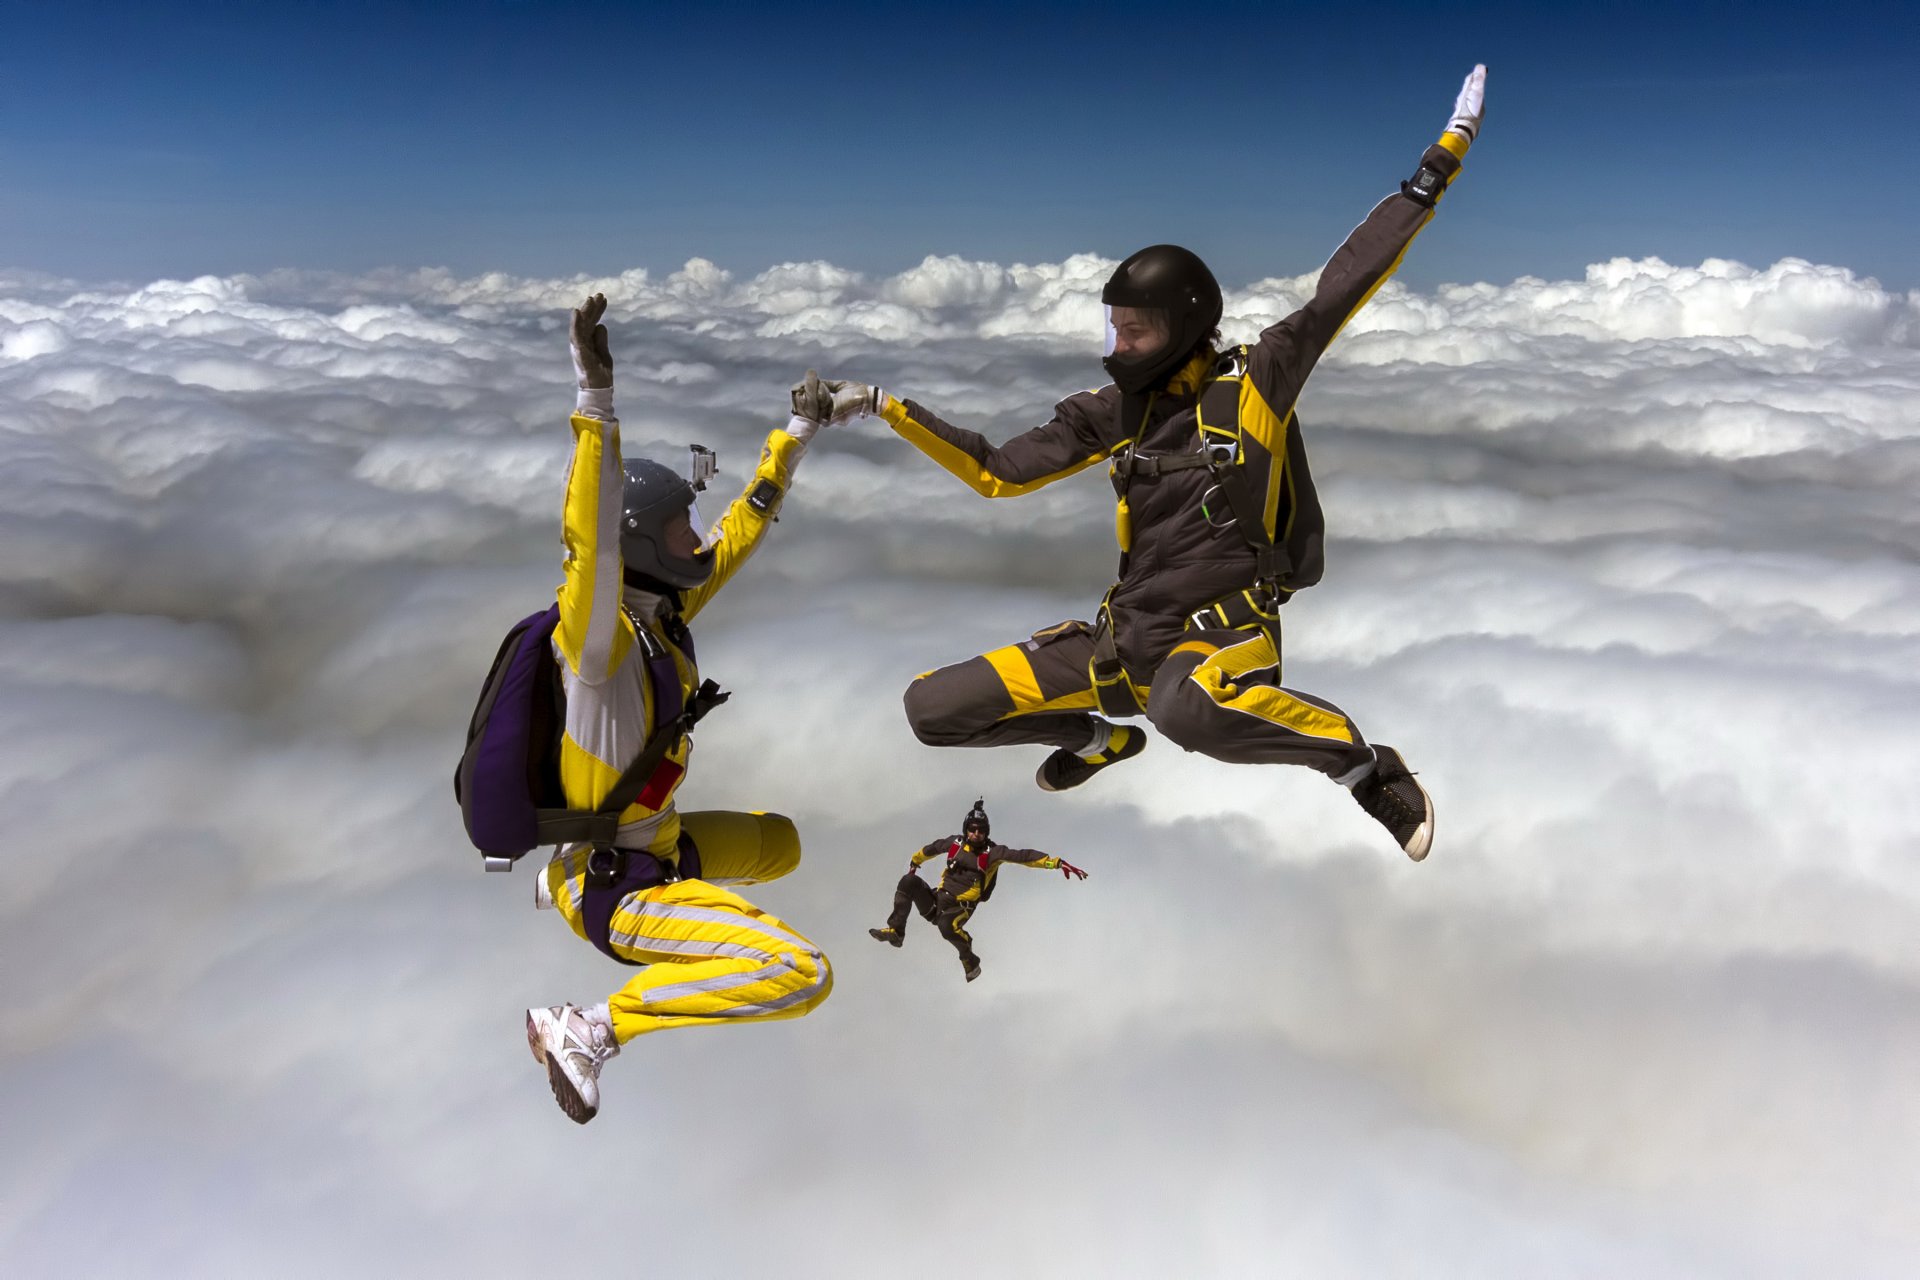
593,634
748,517
1067,444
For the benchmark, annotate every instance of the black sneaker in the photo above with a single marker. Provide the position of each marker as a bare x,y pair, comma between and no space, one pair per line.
889,936
1064,768
1397,802
973,970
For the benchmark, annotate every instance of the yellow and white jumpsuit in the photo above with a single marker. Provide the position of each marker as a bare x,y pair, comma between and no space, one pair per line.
711,955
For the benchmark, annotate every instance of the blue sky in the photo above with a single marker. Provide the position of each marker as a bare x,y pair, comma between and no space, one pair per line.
140,141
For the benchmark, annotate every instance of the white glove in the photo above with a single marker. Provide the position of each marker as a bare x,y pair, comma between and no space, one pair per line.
592,361
802,429
853,400
1470,106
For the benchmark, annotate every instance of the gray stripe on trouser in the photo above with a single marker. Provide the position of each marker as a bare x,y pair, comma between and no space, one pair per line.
733,919
737,919
791,998
720,982
719,950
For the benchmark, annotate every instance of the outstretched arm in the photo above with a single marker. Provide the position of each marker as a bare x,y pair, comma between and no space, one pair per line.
1035,858
1075,438
1287,352
749,516
1079,434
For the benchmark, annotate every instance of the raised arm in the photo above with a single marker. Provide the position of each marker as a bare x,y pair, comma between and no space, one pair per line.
1287,352
749,516
591,636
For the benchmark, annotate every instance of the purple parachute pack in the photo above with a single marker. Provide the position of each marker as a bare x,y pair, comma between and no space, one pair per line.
508,782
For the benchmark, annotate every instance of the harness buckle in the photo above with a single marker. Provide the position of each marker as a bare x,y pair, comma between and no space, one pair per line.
606,864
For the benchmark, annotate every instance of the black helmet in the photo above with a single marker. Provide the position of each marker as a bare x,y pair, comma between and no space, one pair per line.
654,495
976,819
1171,280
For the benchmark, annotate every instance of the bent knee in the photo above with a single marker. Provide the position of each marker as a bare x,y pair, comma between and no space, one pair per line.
934,709
1181,712
742,848
813,979
779,845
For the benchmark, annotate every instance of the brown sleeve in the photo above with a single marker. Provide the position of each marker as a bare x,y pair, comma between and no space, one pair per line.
1025,857
1288,350
1074,439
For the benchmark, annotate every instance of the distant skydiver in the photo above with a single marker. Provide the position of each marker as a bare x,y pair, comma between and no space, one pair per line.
637,571
973,864
1217,520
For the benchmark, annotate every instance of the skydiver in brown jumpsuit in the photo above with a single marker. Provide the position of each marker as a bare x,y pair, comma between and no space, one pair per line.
973,864
1217,519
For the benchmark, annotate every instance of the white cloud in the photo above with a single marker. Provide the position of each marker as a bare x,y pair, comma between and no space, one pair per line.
1626,564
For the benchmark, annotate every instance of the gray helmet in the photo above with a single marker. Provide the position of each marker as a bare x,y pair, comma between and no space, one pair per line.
655,494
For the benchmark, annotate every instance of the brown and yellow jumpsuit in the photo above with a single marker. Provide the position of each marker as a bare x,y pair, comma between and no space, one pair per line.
965,883
1208,687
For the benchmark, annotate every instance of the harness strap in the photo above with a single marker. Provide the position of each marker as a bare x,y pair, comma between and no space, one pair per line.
602,826
613,874
1112,687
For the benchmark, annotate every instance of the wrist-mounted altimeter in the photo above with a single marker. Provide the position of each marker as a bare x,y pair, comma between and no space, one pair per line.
1424,187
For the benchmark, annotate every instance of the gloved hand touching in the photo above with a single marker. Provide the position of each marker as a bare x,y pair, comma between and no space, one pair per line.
592,360
1470,106
852,400
812,406
1070,871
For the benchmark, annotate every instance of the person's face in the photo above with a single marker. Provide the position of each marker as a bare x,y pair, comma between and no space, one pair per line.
1138,331
975,837
682,542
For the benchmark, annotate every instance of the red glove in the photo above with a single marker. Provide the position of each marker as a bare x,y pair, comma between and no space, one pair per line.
1070,871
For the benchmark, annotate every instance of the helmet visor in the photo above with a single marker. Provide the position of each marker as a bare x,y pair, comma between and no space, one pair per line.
1136,333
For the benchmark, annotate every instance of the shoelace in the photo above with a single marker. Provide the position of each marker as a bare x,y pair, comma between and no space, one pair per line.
595,1047
1392,799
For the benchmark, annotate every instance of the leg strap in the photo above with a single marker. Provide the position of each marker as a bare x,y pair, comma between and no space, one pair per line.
612,874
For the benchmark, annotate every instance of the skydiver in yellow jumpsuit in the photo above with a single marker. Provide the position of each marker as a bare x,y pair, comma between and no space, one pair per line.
637,571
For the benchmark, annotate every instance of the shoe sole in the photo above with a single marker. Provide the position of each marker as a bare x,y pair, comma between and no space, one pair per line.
566,1095
1422,842
563,1091
1040,775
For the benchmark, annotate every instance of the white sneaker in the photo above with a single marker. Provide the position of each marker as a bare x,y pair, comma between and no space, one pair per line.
542,893
574,1048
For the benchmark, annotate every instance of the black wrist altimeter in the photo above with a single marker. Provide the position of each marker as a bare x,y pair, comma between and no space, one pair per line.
1424,187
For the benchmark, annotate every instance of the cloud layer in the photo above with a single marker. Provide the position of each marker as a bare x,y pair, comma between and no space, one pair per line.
1626,565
